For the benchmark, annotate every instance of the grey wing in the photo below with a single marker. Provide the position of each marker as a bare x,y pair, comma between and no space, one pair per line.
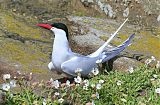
106,55
84,63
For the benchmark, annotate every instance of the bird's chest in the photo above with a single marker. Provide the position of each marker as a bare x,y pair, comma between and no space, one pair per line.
58,58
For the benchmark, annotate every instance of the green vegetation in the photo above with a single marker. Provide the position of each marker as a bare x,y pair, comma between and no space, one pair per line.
113,88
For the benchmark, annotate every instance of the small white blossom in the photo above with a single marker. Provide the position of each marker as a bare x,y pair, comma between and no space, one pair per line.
101,81
119,82
130,69
12,83
153,58
44,102
157,90
95,71
99,61
158,65
78,79
86,82
60,100
56,84
148,61
98,86
6,86
78,70
68,83
6,76
56,94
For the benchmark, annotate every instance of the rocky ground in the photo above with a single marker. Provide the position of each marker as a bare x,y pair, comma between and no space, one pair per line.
27,48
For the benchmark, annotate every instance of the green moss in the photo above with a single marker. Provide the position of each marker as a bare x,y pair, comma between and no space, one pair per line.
86,21
104,37
9,22
38,70
97,27
28,55
79,13
147,43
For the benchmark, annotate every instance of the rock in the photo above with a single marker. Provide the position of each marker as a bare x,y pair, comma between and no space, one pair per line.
124,64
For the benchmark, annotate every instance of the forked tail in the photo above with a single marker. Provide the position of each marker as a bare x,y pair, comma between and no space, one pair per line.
108,54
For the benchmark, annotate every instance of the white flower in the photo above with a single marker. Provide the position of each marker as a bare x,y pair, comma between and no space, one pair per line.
158,65
60,100
99,61
95,71
56,94
12,83
157,90
56,84
101,81
6,76
153,58
93,85
148,61
119,82
44,102
6,86
78,79
98,86
155,76
78,70
130,69
86,82
68,83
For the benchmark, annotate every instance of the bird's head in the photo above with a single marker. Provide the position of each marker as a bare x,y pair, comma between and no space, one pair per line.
58,26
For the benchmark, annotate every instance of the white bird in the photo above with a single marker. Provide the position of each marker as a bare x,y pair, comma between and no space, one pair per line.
65,61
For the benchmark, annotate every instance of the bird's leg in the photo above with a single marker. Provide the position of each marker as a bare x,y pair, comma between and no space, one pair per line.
65,79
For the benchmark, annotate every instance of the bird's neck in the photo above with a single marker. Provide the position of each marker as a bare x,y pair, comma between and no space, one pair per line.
60,41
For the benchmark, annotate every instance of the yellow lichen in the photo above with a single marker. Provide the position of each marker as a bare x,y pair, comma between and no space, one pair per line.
8,22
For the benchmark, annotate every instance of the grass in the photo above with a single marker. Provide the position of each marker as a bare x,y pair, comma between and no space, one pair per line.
119,88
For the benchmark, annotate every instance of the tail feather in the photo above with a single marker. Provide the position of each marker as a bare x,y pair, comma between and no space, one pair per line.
115,51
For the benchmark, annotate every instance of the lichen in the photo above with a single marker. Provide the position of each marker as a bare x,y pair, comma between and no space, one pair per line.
104,37
9,23
27,55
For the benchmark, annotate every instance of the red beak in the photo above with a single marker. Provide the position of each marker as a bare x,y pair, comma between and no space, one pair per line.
47,26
